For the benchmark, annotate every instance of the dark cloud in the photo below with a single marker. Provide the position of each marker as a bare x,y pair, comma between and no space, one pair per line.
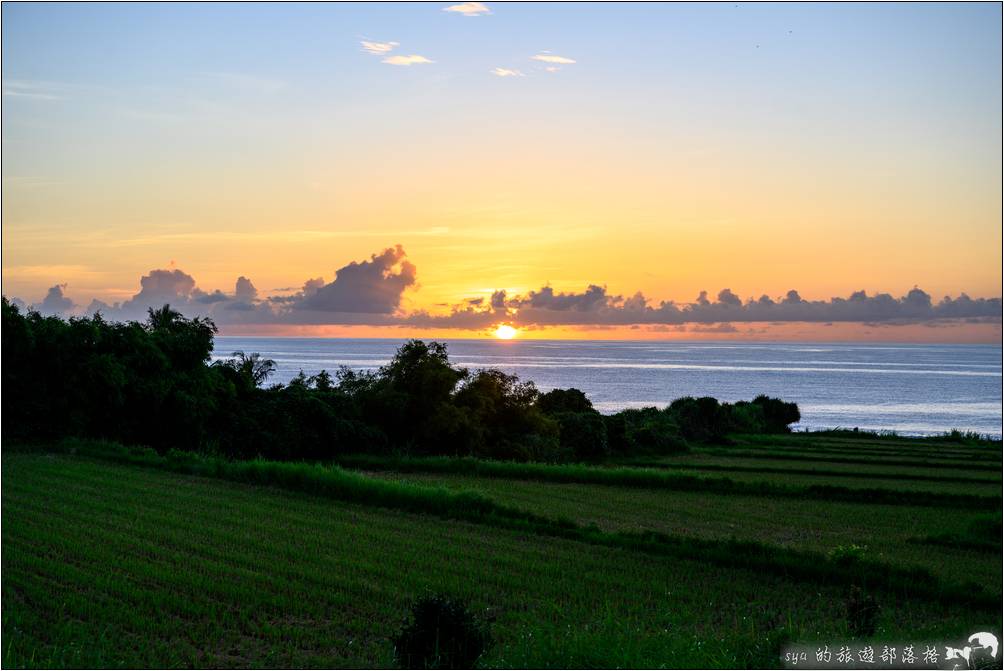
96,306
595,306
726,297
244,291
592,298
370,292
161,287
208,299
311,286
498,299
713,328
373,286
55,302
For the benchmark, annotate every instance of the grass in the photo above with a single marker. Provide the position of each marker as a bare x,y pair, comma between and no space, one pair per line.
887,531
820,458
708,461
335,483
656,479
952,437
116,556
110,565
853,479
863,459
821,443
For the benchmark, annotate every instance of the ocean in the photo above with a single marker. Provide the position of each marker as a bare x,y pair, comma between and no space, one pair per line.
906,388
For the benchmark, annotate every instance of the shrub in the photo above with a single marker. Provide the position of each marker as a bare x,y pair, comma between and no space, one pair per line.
777,414
442,634
564,400
701,419
644,431
584,434
746,417
862,612
504,409
847,554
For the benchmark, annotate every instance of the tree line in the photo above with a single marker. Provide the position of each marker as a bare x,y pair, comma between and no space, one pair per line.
154,383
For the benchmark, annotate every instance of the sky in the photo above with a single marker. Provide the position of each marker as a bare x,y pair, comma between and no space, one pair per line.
421,158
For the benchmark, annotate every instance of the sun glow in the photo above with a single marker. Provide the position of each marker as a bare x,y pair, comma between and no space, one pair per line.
505,332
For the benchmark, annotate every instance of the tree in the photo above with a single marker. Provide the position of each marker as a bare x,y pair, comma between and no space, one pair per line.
247,371
564,400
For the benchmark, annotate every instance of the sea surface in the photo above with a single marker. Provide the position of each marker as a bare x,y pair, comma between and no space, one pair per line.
910,389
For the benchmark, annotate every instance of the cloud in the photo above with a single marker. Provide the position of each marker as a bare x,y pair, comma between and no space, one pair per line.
468,9
378,48
506,72
32,90
311,286
498,299
55,302
595,307
545,299
373,286
208,299
244,291
96,306
160,287
724,327
370,292
412,59
548,57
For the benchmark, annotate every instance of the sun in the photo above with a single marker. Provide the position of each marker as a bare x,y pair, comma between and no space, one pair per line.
505,332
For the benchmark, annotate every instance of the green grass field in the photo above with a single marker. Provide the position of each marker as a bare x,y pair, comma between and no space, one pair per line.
115,564
858,478
885,531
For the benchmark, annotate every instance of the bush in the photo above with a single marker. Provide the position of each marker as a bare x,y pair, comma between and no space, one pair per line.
442,634
777,414
862,613
583,434
702,419
847,554
644,431
564,400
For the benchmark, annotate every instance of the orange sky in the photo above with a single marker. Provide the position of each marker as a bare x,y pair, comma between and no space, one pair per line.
666,150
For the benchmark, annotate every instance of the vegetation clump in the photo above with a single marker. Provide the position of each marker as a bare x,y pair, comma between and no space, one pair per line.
862,612
847,554
155,383
442,634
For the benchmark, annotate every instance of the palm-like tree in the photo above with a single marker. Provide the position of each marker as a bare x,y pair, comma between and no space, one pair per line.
252,369
162,318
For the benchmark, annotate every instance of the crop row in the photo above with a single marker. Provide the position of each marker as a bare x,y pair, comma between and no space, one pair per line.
947,478
649,478
883,533
334,483
836,458
114,565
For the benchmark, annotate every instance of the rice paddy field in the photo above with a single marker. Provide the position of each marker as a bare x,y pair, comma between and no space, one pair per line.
147,561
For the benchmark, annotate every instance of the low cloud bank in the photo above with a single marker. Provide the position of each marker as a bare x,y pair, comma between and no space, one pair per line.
595,306
370,292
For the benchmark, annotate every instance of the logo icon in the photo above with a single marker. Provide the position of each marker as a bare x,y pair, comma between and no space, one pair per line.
984,642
